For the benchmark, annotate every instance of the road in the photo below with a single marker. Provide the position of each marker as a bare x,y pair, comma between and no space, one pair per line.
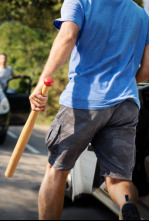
19,195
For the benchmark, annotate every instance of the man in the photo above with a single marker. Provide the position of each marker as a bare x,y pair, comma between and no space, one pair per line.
5,71
100,104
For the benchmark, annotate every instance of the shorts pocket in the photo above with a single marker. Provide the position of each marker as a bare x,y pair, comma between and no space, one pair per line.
53,134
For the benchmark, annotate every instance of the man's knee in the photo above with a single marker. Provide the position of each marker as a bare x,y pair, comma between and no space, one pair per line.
113,182
52,173
117,187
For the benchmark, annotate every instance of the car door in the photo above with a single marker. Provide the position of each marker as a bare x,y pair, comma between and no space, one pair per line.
18,92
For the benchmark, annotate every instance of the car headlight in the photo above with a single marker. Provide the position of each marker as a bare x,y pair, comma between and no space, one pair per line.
4,104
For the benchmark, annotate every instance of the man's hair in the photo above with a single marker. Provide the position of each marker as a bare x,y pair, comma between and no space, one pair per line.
3,55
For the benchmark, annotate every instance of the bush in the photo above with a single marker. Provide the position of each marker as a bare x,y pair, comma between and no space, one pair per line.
27,51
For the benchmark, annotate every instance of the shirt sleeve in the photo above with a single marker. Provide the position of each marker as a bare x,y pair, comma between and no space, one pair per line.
147,40
10,71
71,11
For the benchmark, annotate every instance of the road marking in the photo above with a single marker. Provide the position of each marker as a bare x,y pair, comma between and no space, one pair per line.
32,149
28,146
12,134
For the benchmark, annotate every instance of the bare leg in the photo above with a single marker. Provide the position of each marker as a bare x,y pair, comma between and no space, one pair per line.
118,189
51,194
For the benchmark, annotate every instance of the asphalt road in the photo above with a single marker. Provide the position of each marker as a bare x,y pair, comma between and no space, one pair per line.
18,196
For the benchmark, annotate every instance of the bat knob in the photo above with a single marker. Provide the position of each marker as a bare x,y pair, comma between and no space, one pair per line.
48,82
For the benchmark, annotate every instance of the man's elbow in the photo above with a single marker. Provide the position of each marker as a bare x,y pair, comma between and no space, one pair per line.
69,32
70,38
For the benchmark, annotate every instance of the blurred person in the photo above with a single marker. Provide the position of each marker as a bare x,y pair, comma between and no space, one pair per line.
100,105
5,71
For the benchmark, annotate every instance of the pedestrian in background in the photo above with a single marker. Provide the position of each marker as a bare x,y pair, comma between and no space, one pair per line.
5,71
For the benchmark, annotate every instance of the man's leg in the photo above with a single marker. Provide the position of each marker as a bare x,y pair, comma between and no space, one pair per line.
118,189
68,136
51,194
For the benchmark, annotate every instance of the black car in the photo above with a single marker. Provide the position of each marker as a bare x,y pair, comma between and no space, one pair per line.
14,105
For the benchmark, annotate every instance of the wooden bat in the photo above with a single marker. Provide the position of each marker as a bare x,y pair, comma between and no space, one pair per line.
25,135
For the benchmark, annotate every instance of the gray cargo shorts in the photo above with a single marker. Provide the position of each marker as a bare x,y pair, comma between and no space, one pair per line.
111,131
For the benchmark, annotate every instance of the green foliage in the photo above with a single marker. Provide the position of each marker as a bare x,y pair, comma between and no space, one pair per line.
20,85
34,13
139,2
27,51
24,47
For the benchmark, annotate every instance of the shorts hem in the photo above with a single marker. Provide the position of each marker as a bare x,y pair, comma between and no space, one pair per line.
58,166
127,177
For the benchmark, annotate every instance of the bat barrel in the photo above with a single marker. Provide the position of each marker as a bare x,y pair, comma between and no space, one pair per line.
21,144
25,135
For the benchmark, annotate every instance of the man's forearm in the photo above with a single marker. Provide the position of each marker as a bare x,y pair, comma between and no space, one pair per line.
60,52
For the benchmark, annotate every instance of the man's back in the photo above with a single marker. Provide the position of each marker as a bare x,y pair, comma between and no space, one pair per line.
107,54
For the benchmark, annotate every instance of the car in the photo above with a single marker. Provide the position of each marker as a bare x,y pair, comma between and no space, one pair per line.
85,176
4,115
14,105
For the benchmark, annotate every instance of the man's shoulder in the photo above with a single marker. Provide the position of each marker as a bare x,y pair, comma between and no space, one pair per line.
9,67
9,70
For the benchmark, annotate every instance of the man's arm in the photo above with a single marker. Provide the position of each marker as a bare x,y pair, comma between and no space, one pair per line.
60,52
13,75
143,72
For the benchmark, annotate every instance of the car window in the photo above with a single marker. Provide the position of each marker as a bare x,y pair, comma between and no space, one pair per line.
20,85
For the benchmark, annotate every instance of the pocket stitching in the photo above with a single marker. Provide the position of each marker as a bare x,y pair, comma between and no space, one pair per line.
53,135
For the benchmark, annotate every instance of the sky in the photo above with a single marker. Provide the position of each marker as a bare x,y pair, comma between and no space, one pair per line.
146,5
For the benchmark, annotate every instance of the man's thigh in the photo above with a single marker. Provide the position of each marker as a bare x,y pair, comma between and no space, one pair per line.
69,135
115,143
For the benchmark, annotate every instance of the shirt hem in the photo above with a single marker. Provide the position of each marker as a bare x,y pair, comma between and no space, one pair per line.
82,105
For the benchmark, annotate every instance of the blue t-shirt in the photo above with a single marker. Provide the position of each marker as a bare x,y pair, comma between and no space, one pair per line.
107,54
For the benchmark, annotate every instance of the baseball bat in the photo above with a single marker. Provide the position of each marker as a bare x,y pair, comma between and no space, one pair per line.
25,135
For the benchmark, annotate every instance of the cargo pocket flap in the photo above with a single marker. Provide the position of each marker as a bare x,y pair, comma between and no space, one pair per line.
53,133
56,126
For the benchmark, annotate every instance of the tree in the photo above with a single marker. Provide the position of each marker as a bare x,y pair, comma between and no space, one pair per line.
139,2
34,13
